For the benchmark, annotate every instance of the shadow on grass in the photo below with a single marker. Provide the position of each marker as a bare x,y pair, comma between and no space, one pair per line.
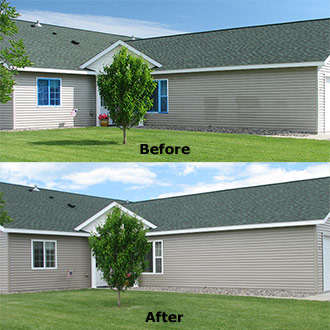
74,142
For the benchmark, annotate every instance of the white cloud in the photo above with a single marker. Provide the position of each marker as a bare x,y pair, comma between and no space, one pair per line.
253,174
130,173
115,25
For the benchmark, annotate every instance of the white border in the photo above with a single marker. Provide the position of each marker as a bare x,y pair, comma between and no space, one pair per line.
44,253
42,232
240,67
109,207
113,46
51,70
323,260
239,227
154,259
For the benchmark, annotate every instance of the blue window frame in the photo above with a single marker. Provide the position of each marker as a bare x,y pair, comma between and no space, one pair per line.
160,97
49,92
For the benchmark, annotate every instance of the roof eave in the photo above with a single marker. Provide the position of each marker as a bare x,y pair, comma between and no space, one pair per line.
242,67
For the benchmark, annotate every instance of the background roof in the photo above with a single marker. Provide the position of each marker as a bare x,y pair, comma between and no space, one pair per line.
274,203
305,41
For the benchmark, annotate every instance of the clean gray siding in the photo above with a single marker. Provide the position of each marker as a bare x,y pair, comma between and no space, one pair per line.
6,115
73,253
281,258
321,231
78,91
274,98
322,73
3,262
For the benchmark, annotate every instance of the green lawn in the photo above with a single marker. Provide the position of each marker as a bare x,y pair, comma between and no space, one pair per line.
105,144
97,309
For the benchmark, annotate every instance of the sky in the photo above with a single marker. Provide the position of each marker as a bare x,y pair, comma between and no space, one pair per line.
156,17
143,181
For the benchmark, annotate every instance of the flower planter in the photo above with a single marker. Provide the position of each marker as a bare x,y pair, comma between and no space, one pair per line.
105,122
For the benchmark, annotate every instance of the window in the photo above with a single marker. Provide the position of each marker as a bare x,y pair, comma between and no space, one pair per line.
49,92
43,254
155,258
160,97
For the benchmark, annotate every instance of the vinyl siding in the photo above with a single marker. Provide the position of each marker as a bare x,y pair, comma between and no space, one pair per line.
77,91
273,98
73,253
321,231
6,115
281,258
322,73
3,262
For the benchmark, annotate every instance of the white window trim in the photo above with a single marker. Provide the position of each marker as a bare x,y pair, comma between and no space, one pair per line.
49,106
154,259
43,241
167,95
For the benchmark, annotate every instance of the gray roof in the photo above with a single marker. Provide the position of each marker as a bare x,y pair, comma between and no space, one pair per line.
48,209
304,41
274,203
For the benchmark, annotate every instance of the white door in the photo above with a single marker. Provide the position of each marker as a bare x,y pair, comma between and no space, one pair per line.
327,104
326,262
99,280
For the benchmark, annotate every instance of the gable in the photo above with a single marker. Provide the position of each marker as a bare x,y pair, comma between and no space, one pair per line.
106,57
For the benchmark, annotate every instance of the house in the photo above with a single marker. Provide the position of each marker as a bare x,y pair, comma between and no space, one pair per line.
269,237
273,76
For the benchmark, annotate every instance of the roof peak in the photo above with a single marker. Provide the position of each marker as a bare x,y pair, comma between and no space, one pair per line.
72,28
233,28
229,189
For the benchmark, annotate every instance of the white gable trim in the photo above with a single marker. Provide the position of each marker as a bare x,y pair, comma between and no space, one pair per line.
240,227
109,207
113,46
240,67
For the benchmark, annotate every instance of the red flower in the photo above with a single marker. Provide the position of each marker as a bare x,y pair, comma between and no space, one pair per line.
103,116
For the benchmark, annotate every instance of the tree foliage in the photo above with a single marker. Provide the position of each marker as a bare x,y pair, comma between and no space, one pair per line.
126,86
12,54
120,247
4,217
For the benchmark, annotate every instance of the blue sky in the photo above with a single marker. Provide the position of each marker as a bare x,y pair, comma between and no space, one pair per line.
140,181
155,17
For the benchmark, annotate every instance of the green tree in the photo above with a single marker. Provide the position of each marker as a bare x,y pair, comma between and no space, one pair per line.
126,86
4,217
12,56
120,247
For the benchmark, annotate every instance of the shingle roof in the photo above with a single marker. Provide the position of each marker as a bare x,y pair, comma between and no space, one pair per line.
47,50
48,209
274,203
304,41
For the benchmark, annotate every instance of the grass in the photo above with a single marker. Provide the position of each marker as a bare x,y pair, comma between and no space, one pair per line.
105,144
97,309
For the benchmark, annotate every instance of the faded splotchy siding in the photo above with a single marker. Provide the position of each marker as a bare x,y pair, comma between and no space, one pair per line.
77,91
3,262
6,115
274,98
323,72
322,230
281,258
73,253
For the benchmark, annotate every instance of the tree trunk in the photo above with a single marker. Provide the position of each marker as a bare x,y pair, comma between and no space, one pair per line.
119,302
124,131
